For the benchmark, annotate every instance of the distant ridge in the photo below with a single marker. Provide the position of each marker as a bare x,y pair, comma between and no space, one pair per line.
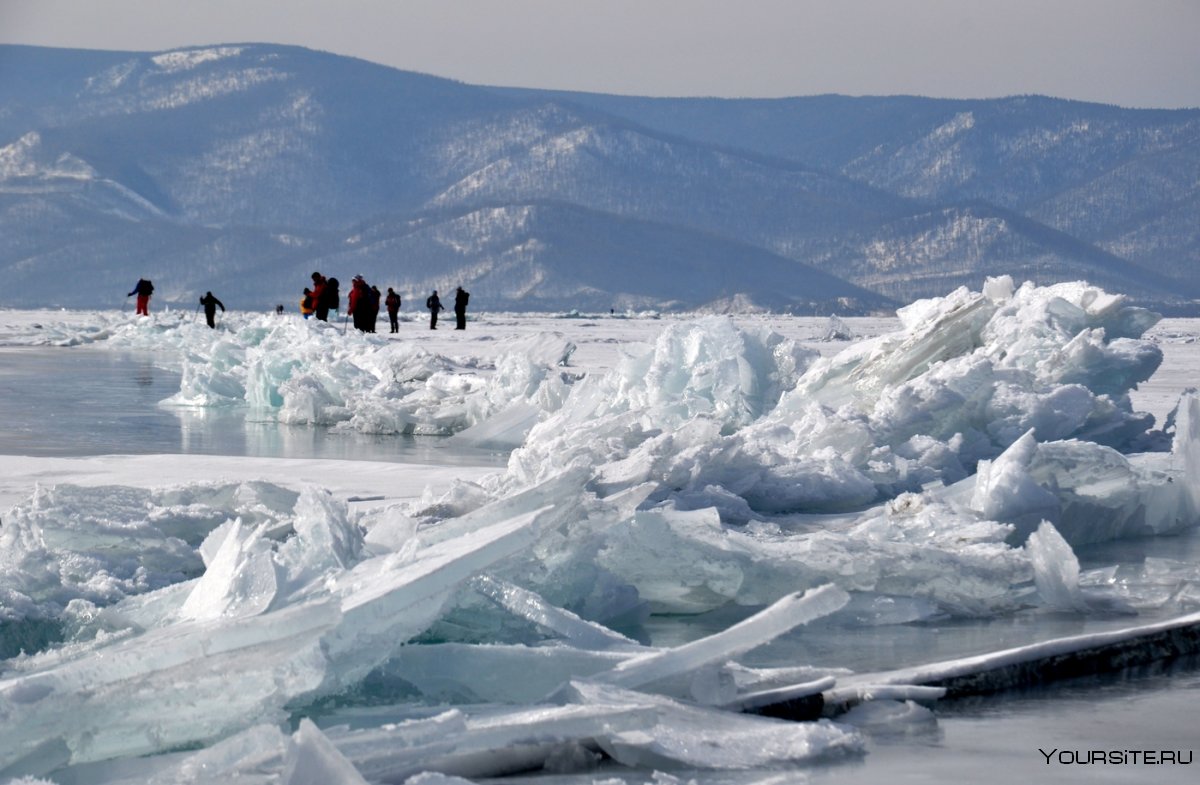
241,168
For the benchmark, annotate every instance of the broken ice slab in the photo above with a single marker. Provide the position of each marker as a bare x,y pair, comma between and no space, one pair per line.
560,491
695,737
700,670
528,605
258,755
386,600
803,701
311,759
193,682
1185,452
490,673
1091,493
936,330
164,688
505,430
633,728
486,744
1038,663
240,580
688,562
1055,569
248,757
105,544
785,614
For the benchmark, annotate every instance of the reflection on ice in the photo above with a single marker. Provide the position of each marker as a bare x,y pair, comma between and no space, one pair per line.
946,470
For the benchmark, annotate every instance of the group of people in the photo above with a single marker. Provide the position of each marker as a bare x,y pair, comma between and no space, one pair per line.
363,303
144,288
434,304
322,298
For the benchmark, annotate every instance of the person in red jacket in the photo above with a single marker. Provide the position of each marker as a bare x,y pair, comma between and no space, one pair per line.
359,304
318,297
143,289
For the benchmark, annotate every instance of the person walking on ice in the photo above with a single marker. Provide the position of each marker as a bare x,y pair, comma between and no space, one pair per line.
460,308
434,304
392,301
143,289
210,304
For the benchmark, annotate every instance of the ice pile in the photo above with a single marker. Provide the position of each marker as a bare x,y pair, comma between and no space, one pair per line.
281,621
718,414
71,548
764,469
945,469
313,373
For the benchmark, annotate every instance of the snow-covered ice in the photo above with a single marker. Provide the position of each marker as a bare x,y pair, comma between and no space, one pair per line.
187,618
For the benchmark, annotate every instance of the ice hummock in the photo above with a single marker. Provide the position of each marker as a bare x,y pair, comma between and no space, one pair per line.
946,469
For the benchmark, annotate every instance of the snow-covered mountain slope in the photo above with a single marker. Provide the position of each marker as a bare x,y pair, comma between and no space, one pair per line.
1121,179
240,167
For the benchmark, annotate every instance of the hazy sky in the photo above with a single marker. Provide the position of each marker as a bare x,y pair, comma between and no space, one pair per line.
1128,52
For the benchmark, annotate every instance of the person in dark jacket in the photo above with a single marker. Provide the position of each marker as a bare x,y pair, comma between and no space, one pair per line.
210,304
392,301
143,289
331,299
374,301
460,308
434,304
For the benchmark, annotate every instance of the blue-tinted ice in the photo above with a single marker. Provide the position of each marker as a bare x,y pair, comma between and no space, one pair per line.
945,474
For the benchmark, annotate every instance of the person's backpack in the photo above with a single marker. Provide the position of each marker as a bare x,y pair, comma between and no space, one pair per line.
429,301
149,288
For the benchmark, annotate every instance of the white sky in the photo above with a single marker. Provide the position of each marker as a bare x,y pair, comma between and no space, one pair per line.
1128,52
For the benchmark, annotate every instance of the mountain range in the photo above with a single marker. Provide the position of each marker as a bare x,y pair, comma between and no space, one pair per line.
240,169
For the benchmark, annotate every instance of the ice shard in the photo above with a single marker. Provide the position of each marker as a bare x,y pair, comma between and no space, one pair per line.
240,580
695,737
574,630
785,614
186,683
1055,569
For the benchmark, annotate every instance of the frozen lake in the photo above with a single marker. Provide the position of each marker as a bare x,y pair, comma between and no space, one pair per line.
81,404
83,401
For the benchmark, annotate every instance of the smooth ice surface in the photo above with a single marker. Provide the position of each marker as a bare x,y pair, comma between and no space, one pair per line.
756,487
